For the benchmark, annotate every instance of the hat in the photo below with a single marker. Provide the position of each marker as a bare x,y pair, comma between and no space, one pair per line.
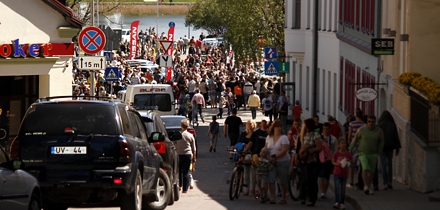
266,119
254,92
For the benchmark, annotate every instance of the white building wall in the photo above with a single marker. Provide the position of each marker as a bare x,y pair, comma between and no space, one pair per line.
299,45
35,22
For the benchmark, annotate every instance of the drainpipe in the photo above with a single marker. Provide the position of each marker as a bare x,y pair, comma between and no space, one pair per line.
315,59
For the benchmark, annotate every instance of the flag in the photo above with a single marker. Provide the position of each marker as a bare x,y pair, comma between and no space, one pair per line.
169,73
134,39
171,38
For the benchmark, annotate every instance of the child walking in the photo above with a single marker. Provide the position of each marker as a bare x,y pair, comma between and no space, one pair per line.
262,168
213,133
221,103
341,160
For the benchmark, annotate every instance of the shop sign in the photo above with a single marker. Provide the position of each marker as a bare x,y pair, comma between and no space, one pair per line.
17,50
382,47
366,94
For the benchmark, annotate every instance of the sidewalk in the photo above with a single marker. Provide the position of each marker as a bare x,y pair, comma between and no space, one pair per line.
400,197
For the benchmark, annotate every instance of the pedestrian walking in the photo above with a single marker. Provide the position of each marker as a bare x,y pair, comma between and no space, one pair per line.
392,143
232,129
278,144
213,133
262,168
186,150
254,103
267,104
329,147
353,126
297,110
200,103
245,137
341,161
371,143
283,112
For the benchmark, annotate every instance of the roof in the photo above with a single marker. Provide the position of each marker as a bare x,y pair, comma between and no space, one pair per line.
68,14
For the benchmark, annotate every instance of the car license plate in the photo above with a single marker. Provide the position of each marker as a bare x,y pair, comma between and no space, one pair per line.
68,150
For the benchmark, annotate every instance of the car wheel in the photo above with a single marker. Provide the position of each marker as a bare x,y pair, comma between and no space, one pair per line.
34,203
163,190
133,201
176,192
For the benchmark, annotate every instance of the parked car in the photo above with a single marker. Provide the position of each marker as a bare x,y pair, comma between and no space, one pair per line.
172,124
167,151
18,189
125,35
90,153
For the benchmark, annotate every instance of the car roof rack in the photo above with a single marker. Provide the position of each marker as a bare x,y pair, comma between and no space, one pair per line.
85,98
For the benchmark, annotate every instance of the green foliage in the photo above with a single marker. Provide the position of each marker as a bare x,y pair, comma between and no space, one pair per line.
246,22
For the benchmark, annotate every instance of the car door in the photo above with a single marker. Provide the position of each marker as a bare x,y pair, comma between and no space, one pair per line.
146,150
13,193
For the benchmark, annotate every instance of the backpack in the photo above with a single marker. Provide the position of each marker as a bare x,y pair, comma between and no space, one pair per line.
239,147
214,127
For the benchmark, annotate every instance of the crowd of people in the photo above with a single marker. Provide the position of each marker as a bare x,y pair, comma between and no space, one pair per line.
203,77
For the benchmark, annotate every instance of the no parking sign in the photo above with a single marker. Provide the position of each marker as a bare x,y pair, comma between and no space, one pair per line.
91,40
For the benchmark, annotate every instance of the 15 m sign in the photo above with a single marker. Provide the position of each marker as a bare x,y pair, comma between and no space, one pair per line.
91,63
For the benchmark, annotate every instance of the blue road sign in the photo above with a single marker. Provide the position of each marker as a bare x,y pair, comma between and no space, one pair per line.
270,53
108,55
271,68
112,74
171,24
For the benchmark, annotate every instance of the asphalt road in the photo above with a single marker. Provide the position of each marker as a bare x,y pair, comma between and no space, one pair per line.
211,175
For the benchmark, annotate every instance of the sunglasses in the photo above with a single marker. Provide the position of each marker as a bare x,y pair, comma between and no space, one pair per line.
371,121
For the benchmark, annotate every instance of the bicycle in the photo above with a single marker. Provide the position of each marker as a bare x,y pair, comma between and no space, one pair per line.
236,183
294,181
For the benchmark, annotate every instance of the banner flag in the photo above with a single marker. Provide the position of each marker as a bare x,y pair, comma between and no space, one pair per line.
134,39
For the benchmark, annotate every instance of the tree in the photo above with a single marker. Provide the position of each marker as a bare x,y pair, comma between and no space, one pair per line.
84,10
247,22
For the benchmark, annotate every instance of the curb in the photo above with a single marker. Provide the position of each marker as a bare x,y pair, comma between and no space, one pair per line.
348,198
434,197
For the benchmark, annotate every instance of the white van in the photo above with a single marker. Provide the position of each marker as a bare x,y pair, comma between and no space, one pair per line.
157,97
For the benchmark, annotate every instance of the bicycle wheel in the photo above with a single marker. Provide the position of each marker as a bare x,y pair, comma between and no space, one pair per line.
293,185
239,185
233,184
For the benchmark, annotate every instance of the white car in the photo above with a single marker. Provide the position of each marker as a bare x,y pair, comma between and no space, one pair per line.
18,189
208,42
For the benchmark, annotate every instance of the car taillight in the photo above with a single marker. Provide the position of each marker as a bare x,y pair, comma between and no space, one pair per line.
161,147
192,131
124,151
14,150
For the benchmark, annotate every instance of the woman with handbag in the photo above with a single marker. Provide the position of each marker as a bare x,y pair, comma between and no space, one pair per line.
308,149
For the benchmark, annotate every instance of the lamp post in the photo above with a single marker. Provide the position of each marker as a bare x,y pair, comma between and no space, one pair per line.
189,25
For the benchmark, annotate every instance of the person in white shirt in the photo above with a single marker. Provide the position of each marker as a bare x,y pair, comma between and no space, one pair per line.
247,91
191,87
267,105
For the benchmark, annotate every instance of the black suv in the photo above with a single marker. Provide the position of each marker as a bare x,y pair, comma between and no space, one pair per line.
166,149
90,153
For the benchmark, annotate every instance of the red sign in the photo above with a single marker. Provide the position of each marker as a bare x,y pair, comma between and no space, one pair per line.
166,46
91,40
36,49
134,39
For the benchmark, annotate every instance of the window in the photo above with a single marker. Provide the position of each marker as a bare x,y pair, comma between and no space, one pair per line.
84,119
372,11
126,127
358,86
364,81
162,101
358,14
372,80
134,125
308,93
341,81
297,15
341,11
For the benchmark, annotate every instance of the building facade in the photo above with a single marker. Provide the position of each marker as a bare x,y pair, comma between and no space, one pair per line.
36,53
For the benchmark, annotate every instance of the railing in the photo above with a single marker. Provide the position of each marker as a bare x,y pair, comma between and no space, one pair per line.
425,120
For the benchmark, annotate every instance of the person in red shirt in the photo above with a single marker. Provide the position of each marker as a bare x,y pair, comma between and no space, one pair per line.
293,135
335,130
341,161
199,44
297,110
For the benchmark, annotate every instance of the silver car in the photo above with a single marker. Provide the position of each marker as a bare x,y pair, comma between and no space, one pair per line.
18,189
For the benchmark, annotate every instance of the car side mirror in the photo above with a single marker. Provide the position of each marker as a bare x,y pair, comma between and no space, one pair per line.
17,164
156,137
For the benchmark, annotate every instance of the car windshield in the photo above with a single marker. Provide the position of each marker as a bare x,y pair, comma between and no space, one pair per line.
162,101
54,119
172,122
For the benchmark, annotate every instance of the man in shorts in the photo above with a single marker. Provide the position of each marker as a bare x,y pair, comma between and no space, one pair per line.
370,146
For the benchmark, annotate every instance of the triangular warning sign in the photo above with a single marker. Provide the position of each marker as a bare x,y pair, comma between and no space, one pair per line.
166,45
111,75
272,69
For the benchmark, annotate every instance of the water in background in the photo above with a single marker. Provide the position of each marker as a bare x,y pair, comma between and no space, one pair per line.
150,21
